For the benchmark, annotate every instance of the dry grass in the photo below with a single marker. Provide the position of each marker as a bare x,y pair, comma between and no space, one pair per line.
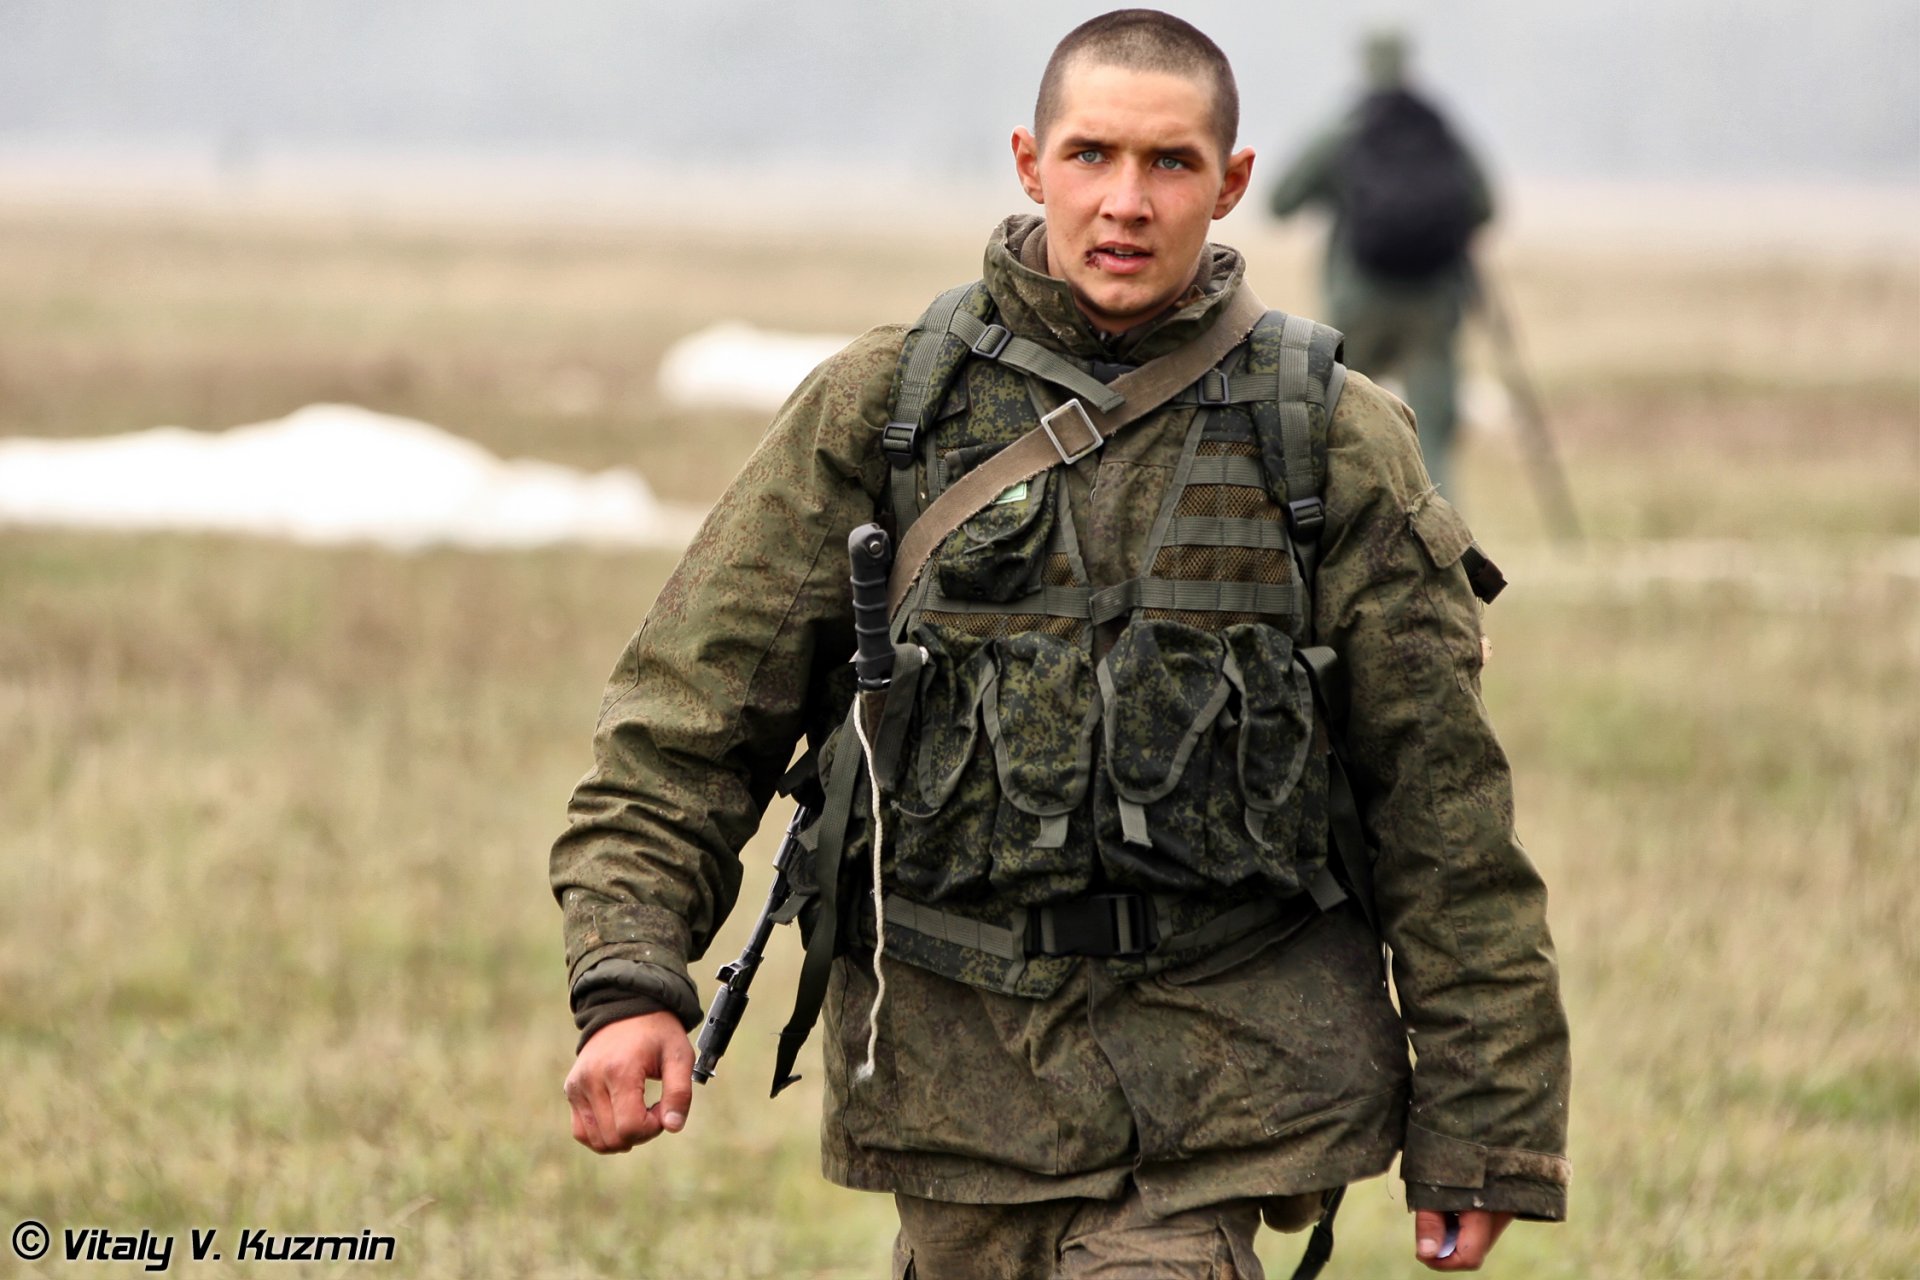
275,948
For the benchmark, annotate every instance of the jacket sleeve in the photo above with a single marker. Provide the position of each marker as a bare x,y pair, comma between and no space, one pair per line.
703,711
1309,180
1461,905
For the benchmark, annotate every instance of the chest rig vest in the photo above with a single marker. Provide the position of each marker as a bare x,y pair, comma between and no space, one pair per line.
1137,770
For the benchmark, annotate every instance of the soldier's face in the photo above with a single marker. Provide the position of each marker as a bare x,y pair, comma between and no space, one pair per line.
1131,174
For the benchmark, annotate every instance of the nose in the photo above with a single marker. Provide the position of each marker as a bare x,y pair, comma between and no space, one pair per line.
1126,199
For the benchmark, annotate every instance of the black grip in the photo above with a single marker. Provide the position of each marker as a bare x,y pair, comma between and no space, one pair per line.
871,552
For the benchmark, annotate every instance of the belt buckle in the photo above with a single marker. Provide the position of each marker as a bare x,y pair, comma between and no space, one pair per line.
1069,411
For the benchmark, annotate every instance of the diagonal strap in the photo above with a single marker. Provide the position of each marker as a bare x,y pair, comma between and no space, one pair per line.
1144,390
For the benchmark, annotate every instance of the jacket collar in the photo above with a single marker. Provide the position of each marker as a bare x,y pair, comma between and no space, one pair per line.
1038,306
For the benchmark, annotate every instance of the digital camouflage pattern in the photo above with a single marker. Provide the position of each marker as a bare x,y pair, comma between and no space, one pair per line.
1275,1065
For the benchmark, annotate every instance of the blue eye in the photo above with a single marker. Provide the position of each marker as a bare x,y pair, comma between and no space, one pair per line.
1171,162
1088,156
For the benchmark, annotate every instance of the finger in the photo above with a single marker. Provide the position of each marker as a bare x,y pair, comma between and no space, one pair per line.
600,1115
578,1111
1476,1238
676,1085
634,1123
1429,1230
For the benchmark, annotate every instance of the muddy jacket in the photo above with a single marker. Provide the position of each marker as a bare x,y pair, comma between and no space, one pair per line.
1274,1065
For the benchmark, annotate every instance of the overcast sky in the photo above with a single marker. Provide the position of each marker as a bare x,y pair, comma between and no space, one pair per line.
1635,89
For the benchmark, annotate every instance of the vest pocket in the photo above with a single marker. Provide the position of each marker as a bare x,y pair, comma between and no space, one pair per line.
998,554
1206,737
992,797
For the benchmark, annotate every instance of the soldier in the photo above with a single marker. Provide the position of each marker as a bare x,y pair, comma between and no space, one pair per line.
1107,999
1406,196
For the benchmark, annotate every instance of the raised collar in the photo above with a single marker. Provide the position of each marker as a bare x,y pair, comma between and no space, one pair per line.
1038,306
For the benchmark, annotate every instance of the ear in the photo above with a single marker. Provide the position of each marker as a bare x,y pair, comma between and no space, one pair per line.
1233,183
1026,164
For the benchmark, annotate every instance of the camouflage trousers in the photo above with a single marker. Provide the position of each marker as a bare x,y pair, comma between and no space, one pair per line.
1086,1239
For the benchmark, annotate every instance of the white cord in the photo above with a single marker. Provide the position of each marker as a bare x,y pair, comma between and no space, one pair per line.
865,1071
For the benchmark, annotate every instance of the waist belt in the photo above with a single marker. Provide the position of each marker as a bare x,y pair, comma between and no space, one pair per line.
1099,924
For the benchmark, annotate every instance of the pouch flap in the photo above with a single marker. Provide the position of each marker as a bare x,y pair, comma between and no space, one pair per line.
1441,530
1163,683
1040,715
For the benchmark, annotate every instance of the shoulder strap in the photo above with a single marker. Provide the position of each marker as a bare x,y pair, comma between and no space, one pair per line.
1069,434
912,392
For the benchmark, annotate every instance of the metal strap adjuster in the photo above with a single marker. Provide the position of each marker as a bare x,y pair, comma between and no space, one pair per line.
1213,388
992,341
898,441
1075,413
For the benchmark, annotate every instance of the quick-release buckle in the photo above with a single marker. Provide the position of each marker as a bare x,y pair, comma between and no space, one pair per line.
1213,388
1307,517
1075,414
898,440
992,341
1101,924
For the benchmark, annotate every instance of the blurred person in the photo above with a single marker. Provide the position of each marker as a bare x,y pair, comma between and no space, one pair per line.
1134,999
1406,196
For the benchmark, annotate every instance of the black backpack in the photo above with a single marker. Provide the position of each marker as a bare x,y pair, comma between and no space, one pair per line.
1407,193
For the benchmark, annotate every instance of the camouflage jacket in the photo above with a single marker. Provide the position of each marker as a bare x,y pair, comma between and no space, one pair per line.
1276,1067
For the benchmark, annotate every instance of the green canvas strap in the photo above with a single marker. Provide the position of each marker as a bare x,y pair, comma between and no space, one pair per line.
835,819
1009,941
1228,468
1348,832
1054,444
997,342
901,436
1180,595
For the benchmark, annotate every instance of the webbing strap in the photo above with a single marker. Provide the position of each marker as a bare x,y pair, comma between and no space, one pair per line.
1010,941
1145,389
996,342
910,401
1221,531
1228,468
1053,601
1245,388
1320,1243
962,931
835,818
1296,386
1194,596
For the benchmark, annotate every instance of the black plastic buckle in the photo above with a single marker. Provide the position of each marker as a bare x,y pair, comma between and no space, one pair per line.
899,441
1307,517
992,341
1208,381
1101,924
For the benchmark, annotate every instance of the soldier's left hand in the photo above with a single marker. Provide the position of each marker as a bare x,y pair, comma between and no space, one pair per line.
1479,1228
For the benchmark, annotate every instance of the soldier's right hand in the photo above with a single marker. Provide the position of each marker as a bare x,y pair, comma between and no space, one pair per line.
607,1087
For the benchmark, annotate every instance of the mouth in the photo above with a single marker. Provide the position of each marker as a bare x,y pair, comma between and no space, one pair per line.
1119,259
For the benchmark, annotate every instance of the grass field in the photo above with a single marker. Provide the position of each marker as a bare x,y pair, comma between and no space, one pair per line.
275,944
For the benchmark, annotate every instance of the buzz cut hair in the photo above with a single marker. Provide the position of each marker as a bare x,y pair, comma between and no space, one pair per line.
1142,40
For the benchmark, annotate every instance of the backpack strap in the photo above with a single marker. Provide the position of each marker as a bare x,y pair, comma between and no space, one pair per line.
914,394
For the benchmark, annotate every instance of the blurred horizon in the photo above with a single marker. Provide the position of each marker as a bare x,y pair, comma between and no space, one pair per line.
1776,93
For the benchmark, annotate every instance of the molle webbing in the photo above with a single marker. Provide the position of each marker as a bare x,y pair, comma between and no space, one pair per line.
1282,599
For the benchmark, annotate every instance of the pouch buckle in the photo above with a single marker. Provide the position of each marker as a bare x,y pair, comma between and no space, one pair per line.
1076,413
1307,517
897,441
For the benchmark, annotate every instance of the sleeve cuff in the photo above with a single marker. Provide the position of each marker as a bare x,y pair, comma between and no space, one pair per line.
1450,1175
632,987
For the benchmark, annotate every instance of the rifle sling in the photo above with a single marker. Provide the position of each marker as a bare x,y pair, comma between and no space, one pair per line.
1144,390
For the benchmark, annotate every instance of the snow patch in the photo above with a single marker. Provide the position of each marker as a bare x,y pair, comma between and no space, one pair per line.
739,366
330,474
